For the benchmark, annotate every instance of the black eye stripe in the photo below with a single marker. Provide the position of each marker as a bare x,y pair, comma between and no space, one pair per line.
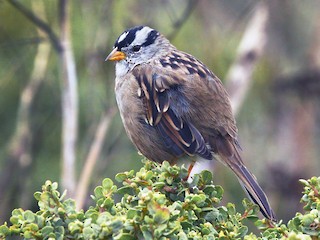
152,36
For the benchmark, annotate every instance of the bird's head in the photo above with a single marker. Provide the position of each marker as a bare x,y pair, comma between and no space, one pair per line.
135,46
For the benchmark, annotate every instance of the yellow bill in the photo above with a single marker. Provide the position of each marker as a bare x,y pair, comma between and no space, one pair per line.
116,55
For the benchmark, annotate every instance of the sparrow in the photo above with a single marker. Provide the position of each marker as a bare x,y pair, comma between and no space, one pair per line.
172,107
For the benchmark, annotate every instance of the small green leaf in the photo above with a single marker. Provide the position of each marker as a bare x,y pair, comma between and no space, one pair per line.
147,235
212,215
231,209
75,227
161,216
186,225
125,190
242,231
33,227
159,185
107,183
206,177
37,195
28,234
307,219
120,177
29,216
132,213
149,175
304,182
108,203
55,186
88,233
98,192
198,199
4,231
125,236
17,212
218,192
46,231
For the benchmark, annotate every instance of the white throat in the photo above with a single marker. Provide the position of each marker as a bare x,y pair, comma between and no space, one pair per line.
122,67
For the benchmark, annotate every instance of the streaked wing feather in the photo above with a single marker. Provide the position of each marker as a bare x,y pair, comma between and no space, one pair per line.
203,150
170,140
179,135
162,102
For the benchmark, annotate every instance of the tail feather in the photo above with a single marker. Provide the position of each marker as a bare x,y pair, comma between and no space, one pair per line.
255,192
230,156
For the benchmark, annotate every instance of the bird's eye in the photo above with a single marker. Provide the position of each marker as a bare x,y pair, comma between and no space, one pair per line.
136,48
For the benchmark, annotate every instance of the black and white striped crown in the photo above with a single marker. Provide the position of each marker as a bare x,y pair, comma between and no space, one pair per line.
139,35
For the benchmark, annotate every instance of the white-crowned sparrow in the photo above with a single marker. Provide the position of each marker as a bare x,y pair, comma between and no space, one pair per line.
173,106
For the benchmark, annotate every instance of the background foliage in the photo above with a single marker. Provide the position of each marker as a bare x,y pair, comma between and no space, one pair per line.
156,203
277,122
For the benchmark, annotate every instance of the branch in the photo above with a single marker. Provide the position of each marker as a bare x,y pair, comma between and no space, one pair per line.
250,50
69,101
92,157
179,23
39,23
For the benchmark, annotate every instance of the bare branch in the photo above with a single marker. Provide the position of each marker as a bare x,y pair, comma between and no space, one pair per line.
69,101
39,23
179,23
92,157
250,50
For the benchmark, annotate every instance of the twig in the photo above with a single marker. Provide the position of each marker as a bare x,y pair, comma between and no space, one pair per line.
39,23
69,101
250,50
92,157
179,23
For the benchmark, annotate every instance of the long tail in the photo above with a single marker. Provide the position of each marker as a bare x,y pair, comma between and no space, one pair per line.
254,191
230,156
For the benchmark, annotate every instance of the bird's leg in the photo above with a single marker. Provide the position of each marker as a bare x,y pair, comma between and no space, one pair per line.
190,169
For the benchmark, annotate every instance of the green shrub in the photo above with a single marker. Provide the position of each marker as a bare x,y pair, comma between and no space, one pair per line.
156,203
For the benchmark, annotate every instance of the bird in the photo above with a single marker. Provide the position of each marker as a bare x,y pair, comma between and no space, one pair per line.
173,107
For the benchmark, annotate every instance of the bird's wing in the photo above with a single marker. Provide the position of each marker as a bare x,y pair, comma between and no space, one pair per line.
179,135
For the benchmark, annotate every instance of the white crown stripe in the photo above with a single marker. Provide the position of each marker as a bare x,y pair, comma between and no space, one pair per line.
122,36
141,36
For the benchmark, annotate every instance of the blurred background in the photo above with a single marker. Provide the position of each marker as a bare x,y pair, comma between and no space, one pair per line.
58,113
